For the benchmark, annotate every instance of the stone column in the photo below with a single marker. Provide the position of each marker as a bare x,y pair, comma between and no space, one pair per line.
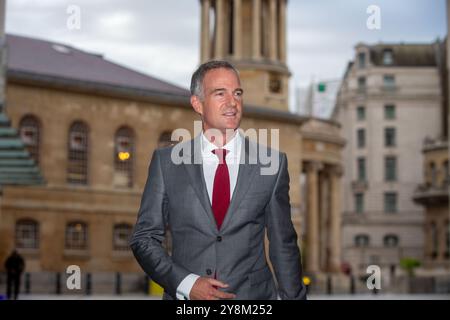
256,48
205,37
237,29
219,23
335,218
324,212
312,229
428,240
282,31
273,30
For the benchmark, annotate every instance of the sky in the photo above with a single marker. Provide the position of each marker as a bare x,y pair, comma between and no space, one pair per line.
161,38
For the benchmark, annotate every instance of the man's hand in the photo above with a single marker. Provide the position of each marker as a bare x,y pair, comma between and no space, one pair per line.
205,289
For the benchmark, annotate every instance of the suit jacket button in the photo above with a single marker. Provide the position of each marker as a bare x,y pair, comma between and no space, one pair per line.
208,272
219,238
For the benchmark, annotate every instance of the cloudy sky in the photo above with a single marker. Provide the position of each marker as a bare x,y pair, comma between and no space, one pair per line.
161,38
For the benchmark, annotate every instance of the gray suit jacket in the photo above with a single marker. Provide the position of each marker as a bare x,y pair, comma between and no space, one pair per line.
175,194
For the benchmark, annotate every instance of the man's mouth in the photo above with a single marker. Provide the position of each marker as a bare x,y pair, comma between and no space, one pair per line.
230,114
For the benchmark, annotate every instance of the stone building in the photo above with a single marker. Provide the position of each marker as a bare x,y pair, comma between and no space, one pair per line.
91,127
389,102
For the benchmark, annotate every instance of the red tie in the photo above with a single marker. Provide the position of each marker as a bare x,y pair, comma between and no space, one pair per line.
221,188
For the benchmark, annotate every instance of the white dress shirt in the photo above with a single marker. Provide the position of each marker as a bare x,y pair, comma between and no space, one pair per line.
209,163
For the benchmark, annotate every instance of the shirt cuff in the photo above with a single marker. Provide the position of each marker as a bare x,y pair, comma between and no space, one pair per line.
184,288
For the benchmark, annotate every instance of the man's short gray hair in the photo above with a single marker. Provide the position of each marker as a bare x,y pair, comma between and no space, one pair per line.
199,75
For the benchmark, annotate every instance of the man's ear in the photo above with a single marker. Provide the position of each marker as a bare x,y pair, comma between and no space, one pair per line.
197,104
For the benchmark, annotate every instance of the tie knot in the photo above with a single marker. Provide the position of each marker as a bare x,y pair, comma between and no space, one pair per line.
220,153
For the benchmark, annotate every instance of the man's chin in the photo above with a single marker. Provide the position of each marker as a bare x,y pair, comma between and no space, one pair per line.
231,129
224,127
232,125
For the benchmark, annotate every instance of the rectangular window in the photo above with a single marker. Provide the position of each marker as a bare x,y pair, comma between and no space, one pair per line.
389,137
389,112
361,138
390,169
389,82
361,84
361,113
359,202
388,57
390,202
27,234
362,60
361,169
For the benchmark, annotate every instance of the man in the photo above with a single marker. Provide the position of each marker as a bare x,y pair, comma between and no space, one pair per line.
218,209
14,266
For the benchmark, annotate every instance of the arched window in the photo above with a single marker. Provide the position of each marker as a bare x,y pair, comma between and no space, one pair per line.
77,169
76,236
27,234
390,240
123,157
30,133
362,240
121,236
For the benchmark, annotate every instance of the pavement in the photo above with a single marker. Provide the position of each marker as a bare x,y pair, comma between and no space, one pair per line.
387,296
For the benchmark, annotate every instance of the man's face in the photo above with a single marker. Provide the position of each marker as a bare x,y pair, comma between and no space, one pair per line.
221,106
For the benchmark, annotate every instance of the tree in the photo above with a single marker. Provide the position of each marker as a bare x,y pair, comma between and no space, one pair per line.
409,264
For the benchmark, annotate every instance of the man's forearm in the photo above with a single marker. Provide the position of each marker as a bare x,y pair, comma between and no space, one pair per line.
155,261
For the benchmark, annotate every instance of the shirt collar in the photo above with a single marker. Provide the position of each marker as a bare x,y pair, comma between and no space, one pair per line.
232,146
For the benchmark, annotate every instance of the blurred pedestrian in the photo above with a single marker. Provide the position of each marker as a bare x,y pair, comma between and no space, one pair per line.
14,266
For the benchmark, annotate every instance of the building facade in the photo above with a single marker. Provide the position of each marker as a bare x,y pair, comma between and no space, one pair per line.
387,93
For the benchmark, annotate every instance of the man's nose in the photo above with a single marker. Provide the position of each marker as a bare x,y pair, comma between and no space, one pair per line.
232,101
